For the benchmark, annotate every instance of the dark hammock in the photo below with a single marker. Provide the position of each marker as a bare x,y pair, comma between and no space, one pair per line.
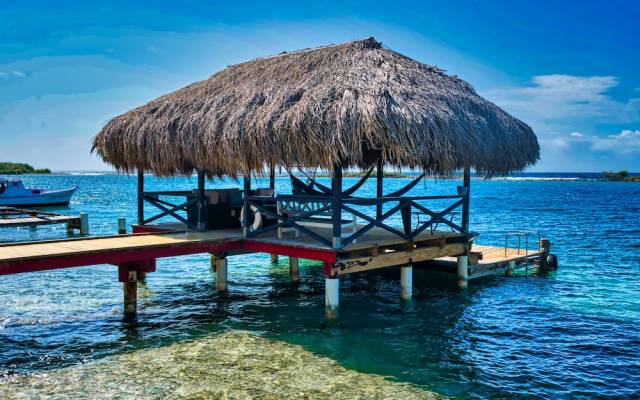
300,187
308,188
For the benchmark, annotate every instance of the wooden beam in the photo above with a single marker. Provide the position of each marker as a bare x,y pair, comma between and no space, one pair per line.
389,259
379,188
336,188
202,203
465,204
140,197
245,205
272,177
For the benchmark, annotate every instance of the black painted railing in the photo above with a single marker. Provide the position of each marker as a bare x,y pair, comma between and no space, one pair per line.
405,206
168,208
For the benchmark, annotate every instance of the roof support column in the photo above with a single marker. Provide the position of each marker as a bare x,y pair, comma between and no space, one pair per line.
202,203
467,194
272,178
379,176
245,205
336,189
140,197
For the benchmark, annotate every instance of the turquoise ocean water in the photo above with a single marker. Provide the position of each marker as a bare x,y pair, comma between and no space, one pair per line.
572,334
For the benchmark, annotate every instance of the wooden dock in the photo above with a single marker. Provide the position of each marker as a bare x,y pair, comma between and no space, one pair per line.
491,260
135,255
11,217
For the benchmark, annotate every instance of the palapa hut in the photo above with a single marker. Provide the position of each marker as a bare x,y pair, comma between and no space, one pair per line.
353,105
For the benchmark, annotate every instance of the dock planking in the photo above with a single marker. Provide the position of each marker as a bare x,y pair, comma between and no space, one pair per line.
12,217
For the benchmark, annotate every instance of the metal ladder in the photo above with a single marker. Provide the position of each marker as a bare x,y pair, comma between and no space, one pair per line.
519,235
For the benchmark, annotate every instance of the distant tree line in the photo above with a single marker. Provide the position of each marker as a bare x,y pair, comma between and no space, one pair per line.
620,176
9,168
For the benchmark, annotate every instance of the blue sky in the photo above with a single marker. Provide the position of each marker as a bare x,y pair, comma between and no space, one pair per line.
569,69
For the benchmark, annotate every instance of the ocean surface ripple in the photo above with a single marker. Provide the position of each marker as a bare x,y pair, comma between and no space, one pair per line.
574,333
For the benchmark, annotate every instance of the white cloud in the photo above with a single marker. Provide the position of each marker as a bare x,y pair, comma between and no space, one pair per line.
555,144
19,74
626,142
557,97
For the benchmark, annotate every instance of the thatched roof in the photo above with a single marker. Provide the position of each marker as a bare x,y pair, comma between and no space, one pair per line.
344,103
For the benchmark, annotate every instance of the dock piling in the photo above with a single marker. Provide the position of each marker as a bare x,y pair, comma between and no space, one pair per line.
510,268
274,258
331,297
213,263
129,279
221,274
406,282
84,223
122,226
463,271
294,270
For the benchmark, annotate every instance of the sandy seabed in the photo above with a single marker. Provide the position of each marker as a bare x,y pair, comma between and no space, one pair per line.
232,365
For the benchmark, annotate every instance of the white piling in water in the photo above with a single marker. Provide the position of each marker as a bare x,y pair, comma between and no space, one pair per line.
84,223
122,226
294,270
331,297
221,274
406,282
463,271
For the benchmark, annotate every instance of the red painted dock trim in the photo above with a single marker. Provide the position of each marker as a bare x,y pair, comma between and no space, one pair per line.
145,255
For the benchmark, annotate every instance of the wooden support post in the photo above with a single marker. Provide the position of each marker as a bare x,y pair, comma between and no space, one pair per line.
294,270
379,183
245,206
69,228
406,282
130,274
274,258
202,203
213,262
463,271
272,177
129,279
84,223
511,267
140,197
122,225
331,297
221,274
465,203
336,189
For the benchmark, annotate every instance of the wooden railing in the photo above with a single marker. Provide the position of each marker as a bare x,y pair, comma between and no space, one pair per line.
353,205
167,208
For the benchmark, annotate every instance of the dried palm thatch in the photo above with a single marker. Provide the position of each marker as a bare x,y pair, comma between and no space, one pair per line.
346,103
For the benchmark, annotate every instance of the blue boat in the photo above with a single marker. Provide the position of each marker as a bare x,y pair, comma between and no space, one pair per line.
14,193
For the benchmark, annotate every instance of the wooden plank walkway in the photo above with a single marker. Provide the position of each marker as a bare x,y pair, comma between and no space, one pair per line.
489,260
11,217
45,255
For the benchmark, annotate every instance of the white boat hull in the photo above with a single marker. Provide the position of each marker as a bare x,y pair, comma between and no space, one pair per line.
44,198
